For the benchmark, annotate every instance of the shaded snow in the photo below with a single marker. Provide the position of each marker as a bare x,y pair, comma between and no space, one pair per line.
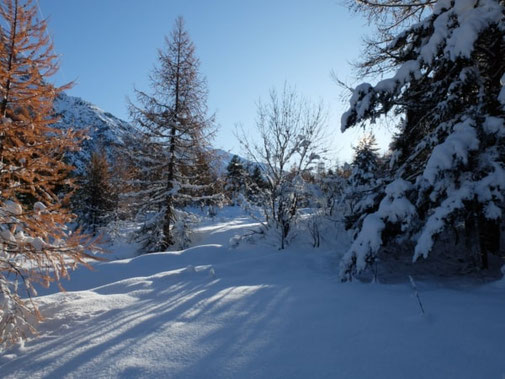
212,311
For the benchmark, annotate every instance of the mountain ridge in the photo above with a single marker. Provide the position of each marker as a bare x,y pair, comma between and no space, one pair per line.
104,130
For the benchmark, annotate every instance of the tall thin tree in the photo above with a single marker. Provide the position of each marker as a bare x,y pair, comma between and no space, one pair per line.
172,129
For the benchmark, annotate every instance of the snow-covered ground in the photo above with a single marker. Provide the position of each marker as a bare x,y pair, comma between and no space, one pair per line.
216,311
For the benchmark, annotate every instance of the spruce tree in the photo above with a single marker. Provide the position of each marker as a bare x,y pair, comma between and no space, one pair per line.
389,17
97,197
170,137
365,162
256,184
36,245
360,192
236,177
448,160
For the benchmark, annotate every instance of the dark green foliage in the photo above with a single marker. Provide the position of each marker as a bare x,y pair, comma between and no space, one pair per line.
97,198
360,196
236,177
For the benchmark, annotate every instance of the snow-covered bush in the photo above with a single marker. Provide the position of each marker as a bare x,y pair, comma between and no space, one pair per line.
290,143
183,228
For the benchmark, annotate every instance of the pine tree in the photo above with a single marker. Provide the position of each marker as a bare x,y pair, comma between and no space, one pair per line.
365,162
35,242
236,177
448,160
361,189
170,136
256,184
97,197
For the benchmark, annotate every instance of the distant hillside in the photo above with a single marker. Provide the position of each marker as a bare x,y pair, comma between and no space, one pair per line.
104,129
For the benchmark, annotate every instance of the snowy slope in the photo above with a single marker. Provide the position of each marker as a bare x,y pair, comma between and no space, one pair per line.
213,311
104,129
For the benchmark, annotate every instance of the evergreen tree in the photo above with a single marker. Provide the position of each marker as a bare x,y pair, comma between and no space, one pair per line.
365,162
360,193
256,184
36,245
170,135
236,177
448,159
97,197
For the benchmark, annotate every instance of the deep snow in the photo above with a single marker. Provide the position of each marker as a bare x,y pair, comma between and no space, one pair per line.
214,311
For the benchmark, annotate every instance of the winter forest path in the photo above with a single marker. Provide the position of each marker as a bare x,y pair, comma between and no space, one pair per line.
216,311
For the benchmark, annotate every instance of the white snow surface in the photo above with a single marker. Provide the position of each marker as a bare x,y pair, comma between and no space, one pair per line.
213,311
455,148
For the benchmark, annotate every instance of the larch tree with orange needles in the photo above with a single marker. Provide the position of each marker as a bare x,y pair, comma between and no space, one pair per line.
36,245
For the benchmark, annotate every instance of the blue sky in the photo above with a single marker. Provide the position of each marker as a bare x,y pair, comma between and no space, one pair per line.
246,47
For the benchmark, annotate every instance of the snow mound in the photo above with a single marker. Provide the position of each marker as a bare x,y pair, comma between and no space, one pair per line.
254,312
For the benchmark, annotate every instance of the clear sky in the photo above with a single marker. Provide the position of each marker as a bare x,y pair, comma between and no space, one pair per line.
245,47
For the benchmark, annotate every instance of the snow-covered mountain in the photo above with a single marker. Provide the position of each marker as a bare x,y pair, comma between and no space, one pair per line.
106,130
103,128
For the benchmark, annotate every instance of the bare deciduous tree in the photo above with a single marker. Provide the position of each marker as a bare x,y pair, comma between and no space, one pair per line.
290,142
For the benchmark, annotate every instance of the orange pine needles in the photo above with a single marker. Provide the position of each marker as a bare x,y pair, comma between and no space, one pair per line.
36,244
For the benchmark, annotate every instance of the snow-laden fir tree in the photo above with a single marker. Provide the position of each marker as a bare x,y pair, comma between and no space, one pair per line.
361,189
256,184
96,198
448,158
236,178
169,141
36,243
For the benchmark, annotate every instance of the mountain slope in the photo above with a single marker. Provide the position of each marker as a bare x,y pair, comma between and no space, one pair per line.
104,129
